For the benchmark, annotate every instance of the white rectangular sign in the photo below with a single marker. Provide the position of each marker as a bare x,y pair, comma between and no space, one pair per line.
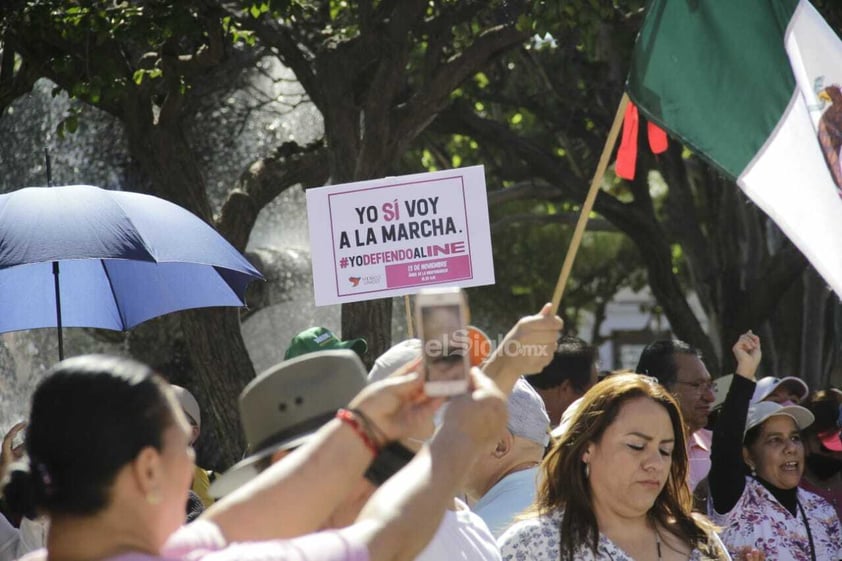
392,236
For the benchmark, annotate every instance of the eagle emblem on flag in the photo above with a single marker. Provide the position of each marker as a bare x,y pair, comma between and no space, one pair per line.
830,131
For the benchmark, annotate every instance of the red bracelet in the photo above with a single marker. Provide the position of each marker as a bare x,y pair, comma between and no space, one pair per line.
351,420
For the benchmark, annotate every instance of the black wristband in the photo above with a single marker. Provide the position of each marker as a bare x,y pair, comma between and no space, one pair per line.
388,462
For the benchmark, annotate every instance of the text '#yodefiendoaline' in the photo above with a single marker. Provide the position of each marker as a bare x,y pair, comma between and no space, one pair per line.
423,223
398,255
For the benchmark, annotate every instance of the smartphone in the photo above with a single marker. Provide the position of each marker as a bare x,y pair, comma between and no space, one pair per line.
442,317
19,439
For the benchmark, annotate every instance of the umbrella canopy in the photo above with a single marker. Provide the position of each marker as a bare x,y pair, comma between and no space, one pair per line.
122,258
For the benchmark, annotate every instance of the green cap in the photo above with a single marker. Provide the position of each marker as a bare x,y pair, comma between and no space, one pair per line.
321,339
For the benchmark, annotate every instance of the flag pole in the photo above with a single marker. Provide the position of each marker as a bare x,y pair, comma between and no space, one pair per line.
410,331
576,241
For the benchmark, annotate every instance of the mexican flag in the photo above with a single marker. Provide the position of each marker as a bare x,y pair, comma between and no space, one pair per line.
755,87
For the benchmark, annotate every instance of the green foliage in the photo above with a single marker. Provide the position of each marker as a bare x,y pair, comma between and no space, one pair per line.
96,50
558,96
234,29
528,256
69,124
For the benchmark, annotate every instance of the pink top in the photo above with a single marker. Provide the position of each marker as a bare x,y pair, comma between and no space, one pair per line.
698,452
203,541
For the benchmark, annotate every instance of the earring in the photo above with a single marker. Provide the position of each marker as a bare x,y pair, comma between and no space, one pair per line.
587,470
753,471
153,497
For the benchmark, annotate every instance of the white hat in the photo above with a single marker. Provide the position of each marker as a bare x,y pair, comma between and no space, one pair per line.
394,359
527,414
766,386
188,403
762,410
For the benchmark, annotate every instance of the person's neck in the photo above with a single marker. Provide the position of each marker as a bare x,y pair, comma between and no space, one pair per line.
555,409
92,538
619,527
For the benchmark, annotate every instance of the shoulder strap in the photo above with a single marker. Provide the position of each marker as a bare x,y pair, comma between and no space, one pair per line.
809,533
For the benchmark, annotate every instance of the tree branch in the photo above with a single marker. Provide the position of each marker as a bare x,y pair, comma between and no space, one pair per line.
432,97
263,181
762,296
567,218
530,189
291,52
14,84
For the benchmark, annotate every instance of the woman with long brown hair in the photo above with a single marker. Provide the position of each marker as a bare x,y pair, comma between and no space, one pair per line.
614,484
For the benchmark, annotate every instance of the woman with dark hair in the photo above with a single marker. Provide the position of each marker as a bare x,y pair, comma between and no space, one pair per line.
757,460
614,484
110,463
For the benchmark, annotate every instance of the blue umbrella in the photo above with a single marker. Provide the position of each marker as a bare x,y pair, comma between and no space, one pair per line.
81,256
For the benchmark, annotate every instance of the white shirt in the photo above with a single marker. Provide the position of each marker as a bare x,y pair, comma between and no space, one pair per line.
462,536
14,543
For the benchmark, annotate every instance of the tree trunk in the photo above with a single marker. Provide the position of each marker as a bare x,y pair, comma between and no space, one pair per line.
214,343
371,320
220,360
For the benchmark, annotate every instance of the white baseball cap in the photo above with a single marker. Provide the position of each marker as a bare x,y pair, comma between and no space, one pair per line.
188,403
762,410
766,386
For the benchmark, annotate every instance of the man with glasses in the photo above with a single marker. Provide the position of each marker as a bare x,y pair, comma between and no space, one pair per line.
679,368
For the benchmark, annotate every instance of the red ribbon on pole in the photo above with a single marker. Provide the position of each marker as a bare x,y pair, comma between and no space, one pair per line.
627,152
657,138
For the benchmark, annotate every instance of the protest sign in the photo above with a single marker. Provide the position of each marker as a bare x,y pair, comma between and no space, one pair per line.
392,236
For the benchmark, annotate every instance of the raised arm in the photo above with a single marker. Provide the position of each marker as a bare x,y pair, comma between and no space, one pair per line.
527,348
726,478
404,513
315,477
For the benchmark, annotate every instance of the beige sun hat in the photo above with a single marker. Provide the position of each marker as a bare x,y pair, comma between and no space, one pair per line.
285,405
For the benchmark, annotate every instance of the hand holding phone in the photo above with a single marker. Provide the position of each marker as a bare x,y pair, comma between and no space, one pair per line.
442,316
13,443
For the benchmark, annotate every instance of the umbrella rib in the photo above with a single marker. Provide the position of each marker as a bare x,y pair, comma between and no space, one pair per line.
128,218
114,294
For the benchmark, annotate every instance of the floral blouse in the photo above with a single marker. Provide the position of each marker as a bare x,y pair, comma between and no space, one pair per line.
537,539
759,520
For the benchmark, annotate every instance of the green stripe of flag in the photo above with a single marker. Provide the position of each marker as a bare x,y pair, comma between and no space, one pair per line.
715,74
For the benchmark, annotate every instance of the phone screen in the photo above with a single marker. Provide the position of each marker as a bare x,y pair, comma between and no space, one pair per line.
445,342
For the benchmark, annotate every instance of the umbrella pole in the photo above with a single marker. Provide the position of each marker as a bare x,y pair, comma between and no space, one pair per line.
58,312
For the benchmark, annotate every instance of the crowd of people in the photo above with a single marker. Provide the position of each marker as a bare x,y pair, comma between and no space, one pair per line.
542,459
